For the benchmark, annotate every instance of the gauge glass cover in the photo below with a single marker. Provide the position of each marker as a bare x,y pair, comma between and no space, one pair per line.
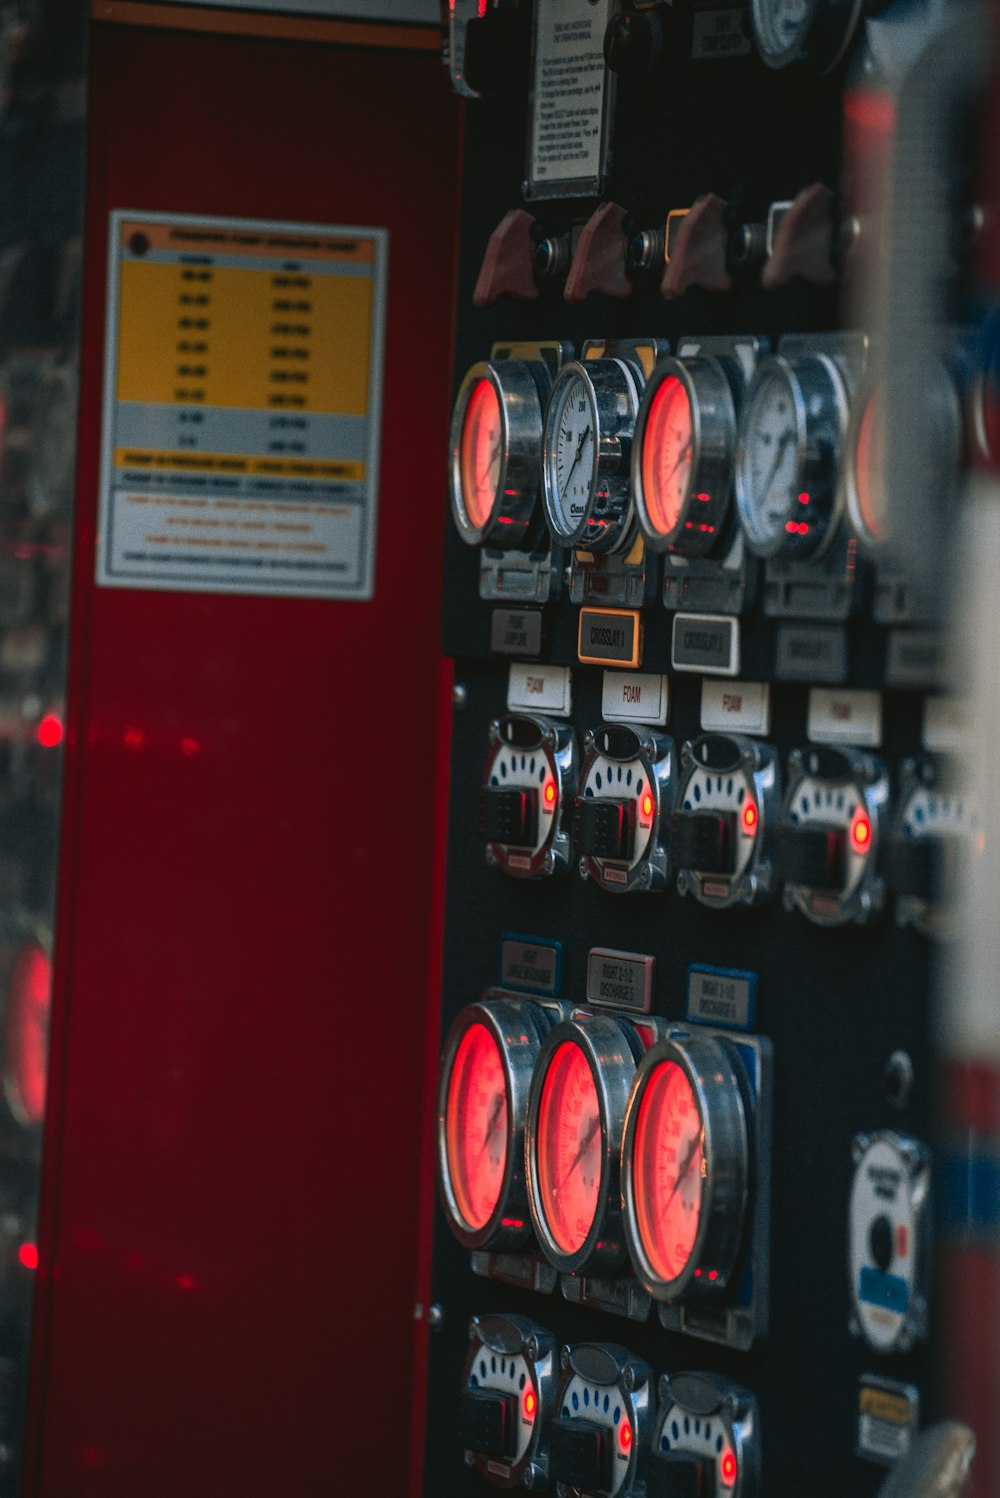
476,1126
569,1148
667,453
481,453
869,472
669,1160
573,457
769,466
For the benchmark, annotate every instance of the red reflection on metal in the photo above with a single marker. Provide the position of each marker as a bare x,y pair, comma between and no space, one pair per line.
26,1034
727,1467
27,1255
50,731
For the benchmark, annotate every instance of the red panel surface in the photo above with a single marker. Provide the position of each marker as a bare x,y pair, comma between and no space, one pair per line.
232,1166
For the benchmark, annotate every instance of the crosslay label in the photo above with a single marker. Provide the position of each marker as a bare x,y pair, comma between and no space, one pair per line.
242,402
634,697
540,689
610,637
707,643
845,717
736,708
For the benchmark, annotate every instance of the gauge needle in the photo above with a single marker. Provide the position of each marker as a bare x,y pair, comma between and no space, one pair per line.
684,452
494,1119
584,1147
787,436
693,1149
579,454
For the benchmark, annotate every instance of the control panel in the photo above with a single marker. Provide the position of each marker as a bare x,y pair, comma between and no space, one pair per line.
709,805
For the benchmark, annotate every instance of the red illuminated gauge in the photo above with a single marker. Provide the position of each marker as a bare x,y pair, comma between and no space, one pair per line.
599,1439
829,836
710,1426
496,442
530,765
488,1060
589,423
685,1166
787,455
621,808
507,1399
682,460
26,1033
727,809
576,1111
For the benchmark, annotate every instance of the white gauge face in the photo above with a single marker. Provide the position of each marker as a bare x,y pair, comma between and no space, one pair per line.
888,1197
817,803
605,1405
780,25
613,781
705,1436
511,1375
571,456
769,473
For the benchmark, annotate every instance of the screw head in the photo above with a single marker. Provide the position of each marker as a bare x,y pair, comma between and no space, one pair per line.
494,731
549,862
459,695
584,870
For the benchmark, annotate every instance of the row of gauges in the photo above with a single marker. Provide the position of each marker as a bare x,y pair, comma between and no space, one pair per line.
587,1419
721,823
609,1144
688,458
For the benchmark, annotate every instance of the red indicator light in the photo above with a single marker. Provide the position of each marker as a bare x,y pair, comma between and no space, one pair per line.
530,1403
625,1435
902,1241
28,1255
647,805
803,499
727,1468
861,833
513,1222
713,1274
549,793
749,817
50,731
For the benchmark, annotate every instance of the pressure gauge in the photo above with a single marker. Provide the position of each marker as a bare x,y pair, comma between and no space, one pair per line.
888,1240
867,491
682,462
530,767
728,803
937,829
811,33
787,450
486,1072
587,453
576,1112
706,1439
686,1166
828,841
507,1400
26,1031
496,444
601,1432
621,808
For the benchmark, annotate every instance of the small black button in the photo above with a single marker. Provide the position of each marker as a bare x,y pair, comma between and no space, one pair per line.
678,1474
487,1420
814,856
509,816
880,1242
704,840
578,1454
604,829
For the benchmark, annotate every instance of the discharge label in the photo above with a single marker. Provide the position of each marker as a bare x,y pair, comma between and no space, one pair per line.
242,394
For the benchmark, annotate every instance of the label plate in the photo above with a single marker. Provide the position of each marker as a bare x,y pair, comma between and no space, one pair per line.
530,965
706,643
845,717
721,996
609,637
744,708
808,652
630,697
516,632
572,101
540,689
915,658
620,980
888,1419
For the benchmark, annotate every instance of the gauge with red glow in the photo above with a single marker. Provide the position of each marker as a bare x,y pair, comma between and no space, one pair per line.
685,1166
830,833
26,1033
511,1366
576,1111
488,1061
603,1416
727,807
496,440
715,1423
682,462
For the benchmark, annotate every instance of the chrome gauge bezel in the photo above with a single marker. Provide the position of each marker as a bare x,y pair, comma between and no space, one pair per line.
700,1398
531,1349
555,744
19,934
639,752
819,41
843,772
701,522
818,396
756,766
922,783
611,389
517,1028
608,1366
714,1073
516,496
611,1048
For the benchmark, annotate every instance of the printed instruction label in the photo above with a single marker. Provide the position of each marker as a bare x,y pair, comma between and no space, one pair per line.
568,144
242,394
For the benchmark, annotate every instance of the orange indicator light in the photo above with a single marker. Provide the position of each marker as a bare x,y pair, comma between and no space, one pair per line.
530,1402
749,817
625,1435
549,793
50,731
28,1255
861,832
647,805
727,1468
